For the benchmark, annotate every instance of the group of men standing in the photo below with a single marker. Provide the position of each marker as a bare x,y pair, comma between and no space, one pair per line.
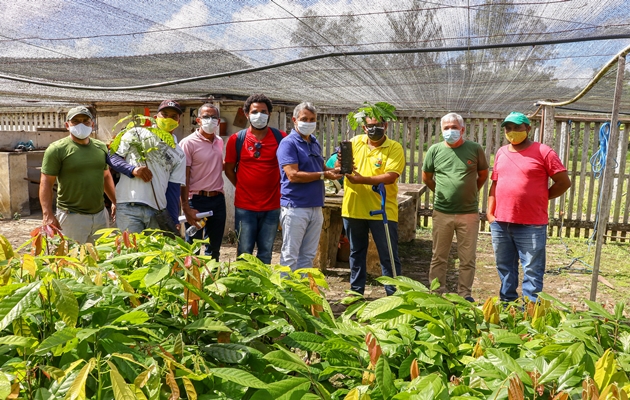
280,178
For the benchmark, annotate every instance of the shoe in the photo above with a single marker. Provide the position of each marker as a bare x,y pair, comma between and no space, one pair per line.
469,298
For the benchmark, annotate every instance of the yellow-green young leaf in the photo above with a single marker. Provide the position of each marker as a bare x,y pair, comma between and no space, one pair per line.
380,306
28,264
613,392
122,391
353,394
54,372
5,386
139,393
143,378
20,341
58,338
491,311
7,249
21,328
178,347
605,367
12,307
72,366
77,390
65,303
238,376
170,381
131,318
191,393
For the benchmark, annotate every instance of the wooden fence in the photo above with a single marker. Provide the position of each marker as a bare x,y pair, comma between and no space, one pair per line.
573,214
31,121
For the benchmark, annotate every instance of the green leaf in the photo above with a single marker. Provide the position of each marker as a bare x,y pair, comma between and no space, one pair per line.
20,341
6,248
384,377
58,338
208,324
286,361
238,284
65,302
15,305
5,386
132,318
230,353
156,273
77,390
121,389
380,306
506,364
599,310
204,296
556,368
286,389
305,341
239,377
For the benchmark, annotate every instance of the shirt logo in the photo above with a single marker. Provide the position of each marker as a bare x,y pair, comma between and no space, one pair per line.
469,162
378,163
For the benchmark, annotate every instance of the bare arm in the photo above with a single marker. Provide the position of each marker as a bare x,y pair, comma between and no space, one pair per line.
46,183
189,213
561,183
387,178
110,190
229,172
296,176
492,202
427,179
482,177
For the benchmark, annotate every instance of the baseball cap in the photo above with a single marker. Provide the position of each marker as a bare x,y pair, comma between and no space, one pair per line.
80,110
170,104
516,118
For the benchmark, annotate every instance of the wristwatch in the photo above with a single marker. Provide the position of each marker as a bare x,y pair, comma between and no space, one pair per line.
322,175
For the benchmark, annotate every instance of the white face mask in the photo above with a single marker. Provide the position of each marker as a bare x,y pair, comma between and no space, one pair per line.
306,128
80,131
258,120
209,125
451,136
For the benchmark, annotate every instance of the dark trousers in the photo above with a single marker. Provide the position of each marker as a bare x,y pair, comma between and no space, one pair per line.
215,225
358,231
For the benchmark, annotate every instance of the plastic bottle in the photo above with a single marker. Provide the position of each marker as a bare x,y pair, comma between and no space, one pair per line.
192,229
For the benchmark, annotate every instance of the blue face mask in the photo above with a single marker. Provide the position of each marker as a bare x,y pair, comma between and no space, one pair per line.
451,136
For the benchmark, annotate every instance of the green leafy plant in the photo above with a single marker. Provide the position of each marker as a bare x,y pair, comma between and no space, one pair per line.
141,316
381,111
137,121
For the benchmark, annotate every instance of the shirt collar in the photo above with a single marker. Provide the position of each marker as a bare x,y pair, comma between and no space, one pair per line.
386,143
301,138
203,138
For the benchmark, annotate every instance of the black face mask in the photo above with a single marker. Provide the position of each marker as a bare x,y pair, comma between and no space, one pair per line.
375,133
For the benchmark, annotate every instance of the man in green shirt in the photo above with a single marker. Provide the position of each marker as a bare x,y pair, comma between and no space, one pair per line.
455,170
79,165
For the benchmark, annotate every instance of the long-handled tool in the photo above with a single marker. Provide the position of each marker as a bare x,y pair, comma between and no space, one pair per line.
380,189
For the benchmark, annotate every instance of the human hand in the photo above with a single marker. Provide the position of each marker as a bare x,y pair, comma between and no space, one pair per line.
51,220
143,173
333,174
191,216
355,177
491,218
113,208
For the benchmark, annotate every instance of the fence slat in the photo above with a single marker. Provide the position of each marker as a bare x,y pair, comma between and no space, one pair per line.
574,163
591,185
421,138
621,168
413,123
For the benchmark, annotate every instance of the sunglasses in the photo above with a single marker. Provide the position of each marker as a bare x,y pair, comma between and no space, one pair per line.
258,146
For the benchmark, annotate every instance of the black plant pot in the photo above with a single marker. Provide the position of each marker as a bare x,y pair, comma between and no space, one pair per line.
347,161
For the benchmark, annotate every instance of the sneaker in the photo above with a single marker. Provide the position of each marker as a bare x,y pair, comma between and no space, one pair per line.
469,298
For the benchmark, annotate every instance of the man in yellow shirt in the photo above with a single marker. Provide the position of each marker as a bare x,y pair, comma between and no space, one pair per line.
377,159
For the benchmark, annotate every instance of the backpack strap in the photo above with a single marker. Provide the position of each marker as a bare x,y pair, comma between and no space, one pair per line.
277,134
240,139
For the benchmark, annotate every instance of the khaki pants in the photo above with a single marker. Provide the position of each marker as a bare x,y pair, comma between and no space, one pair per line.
466,227
81,227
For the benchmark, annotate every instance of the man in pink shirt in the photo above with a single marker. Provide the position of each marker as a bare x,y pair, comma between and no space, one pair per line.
204,179
517,207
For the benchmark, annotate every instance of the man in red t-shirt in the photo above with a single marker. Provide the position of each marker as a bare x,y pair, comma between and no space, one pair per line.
257,180
517,207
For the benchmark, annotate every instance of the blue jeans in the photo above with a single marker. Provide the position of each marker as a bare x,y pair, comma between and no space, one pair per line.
215,225
256,228
301,228
358,231
135,217
514,242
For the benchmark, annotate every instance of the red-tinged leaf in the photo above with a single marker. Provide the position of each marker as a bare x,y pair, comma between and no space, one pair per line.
56,231
135,242
224,337
194,308
166,353
48,230
15,391
37,246
561,396
187,261
62,249
589,390
36,231
414,370
368,338
170,381
516,391
111,275
125,237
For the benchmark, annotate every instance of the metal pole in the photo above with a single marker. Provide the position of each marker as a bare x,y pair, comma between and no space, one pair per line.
608,177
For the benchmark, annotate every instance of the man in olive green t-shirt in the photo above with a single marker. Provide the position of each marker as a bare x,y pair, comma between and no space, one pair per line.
455,170
79,165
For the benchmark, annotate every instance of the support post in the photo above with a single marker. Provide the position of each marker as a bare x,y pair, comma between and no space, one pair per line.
608,176
548,125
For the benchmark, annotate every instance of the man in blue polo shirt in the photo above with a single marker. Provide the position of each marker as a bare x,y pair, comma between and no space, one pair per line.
302,174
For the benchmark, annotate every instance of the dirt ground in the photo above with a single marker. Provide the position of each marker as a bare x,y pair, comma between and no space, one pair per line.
571,286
